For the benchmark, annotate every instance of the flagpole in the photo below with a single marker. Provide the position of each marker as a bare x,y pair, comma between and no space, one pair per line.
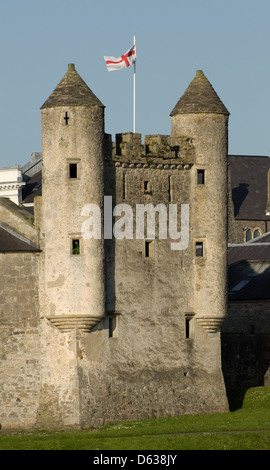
134,92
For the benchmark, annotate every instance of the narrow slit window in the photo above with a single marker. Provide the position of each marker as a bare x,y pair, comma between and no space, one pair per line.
149,249
124,185
199,249
189,330
200,177
66,118
170,188
187,327
112,327
73,170
146,185
75,246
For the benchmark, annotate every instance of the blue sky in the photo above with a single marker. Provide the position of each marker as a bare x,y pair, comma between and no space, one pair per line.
227,39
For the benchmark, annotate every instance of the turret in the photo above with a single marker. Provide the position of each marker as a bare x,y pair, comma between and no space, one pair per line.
72,176
72,284
202,116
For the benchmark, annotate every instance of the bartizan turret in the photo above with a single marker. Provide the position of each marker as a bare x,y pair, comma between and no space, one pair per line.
201,115
72,285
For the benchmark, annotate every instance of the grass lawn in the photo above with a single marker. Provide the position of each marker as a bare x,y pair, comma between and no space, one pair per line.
245,429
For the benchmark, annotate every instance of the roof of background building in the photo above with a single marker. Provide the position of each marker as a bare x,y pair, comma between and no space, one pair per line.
11,241
72,91
249,269
199,97
249,186
249,280
32,188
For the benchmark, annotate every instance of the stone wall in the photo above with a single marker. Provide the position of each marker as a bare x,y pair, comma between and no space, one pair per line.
245,341
136,375
18,218
147,366
19,340
238,228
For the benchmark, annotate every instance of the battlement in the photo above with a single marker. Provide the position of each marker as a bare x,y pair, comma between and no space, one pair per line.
128,146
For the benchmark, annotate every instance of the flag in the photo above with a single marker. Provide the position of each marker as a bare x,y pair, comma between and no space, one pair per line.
122,62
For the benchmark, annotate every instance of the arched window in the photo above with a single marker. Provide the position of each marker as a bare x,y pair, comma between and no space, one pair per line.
257,233
248,235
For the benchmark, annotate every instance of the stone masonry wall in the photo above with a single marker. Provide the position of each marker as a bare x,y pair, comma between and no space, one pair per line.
237,229
147,366
245,345
19,340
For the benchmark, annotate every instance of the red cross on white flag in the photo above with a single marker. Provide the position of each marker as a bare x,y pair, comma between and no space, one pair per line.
122,62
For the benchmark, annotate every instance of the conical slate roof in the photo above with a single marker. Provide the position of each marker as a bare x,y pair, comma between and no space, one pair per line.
199,97
72,91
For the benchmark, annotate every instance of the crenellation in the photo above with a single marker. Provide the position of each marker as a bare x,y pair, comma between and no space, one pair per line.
128,148
129,144
159,145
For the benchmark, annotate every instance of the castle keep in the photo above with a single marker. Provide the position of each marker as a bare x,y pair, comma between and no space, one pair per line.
95,329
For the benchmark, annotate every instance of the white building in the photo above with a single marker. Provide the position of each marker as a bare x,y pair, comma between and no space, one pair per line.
11,183
20,184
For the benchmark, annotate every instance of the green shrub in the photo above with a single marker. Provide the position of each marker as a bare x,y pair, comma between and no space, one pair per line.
257,398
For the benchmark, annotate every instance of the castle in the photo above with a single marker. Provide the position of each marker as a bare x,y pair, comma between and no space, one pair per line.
101,328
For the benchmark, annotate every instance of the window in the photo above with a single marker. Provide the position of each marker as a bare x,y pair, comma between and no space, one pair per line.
75,246
200,176
73,170
189,326
124,186
170,188
188,320
146,187
248,235
112,326
240,285
66,118
149,249
199,249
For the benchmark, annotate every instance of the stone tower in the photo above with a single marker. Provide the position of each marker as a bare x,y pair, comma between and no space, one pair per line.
72,283
202,116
